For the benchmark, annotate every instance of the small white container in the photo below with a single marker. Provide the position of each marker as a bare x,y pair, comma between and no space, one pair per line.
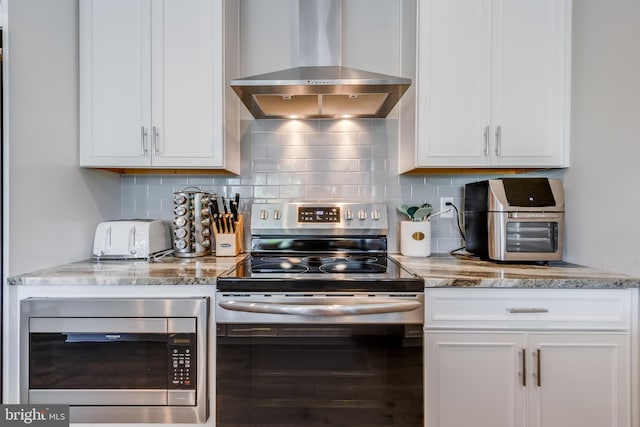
415,238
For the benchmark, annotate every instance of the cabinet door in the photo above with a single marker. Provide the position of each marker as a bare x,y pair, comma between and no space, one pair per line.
583,380
115,82
454,39
474,379
187,81
530,82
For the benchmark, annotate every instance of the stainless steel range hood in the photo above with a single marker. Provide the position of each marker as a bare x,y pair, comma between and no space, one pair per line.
320,87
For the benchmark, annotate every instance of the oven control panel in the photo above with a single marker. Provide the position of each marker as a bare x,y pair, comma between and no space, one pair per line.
318,214
333,218
182,363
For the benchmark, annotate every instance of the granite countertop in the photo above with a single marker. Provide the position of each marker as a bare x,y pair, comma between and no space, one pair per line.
450,271
167,271
437,270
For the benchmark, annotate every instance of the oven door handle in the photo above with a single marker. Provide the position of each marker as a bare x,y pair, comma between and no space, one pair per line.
388,306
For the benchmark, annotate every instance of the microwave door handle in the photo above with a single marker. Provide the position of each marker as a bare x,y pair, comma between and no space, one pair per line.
95,337
321,309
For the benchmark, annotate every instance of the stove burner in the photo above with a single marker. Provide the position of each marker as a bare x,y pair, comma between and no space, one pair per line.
350,266
284,266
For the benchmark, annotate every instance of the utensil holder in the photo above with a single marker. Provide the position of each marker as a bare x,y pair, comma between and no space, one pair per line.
415,238
230,243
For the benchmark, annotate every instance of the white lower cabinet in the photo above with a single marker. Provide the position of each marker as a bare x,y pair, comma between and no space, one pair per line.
472,379
579,380
529,371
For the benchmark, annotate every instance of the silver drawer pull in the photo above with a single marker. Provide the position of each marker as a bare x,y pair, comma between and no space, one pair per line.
527,310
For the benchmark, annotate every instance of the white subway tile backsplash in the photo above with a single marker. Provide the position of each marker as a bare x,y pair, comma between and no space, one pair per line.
322,139
285,160
265,165
344,165
292,139
266,192
291,165
292,192
345,138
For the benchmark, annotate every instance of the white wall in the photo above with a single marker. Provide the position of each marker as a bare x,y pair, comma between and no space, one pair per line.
602,185
53,205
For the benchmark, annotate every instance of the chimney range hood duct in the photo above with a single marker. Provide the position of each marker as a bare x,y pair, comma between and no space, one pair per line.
320,88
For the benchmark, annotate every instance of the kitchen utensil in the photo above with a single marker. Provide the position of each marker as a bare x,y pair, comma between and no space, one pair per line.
220,204
236,206
411,211
421,213
403,209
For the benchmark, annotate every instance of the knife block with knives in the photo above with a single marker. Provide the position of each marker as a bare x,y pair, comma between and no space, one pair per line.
227,227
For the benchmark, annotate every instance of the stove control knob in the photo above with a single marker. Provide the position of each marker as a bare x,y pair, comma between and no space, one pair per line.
375,215
276,214
348,215
264,214
362,214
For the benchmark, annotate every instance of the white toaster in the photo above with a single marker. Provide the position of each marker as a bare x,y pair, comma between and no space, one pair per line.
131,239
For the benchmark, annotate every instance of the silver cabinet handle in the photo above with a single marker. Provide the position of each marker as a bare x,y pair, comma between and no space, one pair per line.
523,353
143,139
516,310
499,140
486,140
320,309
154,137
538,373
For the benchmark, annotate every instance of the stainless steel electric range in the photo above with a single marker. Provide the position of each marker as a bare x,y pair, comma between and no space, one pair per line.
319,326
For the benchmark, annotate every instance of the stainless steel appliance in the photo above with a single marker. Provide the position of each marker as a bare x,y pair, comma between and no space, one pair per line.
319,326
515,219
320,87
117,360
192,223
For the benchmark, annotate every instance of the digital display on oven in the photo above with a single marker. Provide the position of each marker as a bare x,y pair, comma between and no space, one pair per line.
318,214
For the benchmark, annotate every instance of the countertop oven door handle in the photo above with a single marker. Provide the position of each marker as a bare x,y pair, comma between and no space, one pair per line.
321,309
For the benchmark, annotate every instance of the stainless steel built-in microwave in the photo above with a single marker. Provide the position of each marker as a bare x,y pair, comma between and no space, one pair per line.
117,360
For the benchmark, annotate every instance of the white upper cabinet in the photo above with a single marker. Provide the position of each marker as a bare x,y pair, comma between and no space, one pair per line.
492,84
153,90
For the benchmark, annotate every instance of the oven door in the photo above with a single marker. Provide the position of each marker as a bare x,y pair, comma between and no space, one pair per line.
329,359
526,236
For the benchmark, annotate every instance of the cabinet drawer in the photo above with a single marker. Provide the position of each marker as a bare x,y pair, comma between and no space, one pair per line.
599,309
